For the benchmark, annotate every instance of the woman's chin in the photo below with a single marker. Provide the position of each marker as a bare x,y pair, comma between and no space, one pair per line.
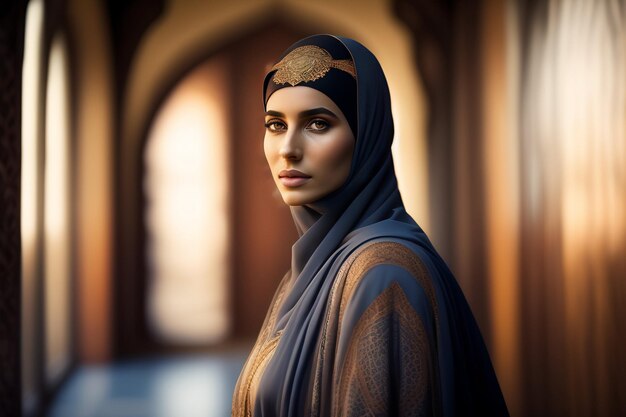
297,198
295,202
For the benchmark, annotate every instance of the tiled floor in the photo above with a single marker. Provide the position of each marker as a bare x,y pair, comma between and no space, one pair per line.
189,386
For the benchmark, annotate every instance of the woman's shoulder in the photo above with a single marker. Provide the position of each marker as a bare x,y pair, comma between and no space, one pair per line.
382,252
384,279
385,257
386,266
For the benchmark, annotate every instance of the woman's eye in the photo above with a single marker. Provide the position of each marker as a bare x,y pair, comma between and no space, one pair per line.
274,126
318,125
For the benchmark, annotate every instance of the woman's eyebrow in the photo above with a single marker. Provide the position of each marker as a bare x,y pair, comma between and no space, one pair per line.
305,113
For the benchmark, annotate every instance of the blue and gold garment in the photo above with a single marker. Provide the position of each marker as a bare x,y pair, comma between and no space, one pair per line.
369,320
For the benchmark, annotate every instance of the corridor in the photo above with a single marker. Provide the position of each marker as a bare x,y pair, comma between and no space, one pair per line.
178,386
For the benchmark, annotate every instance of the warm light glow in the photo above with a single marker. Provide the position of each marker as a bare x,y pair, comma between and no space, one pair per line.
31,150
187,212
574,113
93,124
500,81
57,236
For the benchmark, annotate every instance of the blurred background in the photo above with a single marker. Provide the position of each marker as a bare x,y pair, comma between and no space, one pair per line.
142,237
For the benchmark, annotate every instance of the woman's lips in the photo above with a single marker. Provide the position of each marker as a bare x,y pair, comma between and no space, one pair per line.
293,178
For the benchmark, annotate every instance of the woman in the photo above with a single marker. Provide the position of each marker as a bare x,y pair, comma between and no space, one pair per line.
369,320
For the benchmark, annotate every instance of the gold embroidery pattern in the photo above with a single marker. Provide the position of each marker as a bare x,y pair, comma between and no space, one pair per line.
365,380
387,253
329,332
266,353
308,63
262,352
350,273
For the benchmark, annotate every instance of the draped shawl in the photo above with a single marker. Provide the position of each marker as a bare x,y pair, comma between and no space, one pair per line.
369,319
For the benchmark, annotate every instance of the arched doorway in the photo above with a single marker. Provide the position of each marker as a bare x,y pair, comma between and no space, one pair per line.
226,275
187,213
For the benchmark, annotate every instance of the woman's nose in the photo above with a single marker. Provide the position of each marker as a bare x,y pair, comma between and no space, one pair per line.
291,147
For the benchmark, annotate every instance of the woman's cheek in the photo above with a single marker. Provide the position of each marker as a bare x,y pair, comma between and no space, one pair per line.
270,153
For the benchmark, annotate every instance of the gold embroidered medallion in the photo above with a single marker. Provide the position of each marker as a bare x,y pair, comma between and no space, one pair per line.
308,63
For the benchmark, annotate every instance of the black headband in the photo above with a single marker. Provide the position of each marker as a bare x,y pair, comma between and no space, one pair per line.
321,62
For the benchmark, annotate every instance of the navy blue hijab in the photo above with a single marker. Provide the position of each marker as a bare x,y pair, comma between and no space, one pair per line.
370,193
367,207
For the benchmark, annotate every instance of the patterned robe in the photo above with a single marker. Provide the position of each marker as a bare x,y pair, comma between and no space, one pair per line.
376,351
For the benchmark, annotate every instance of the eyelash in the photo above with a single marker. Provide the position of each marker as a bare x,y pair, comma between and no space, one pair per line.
274,122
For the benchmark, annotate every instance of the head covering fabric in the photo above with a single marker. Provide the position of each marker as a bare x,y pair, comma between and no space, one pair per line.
367,207
337,84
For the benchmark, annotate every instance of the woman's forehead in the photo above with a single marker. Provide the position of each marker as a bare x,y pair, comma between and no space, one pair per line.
299,98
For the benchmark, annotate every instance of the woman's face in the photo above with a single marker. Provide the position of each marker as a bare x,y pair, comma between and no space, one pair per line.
308,144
